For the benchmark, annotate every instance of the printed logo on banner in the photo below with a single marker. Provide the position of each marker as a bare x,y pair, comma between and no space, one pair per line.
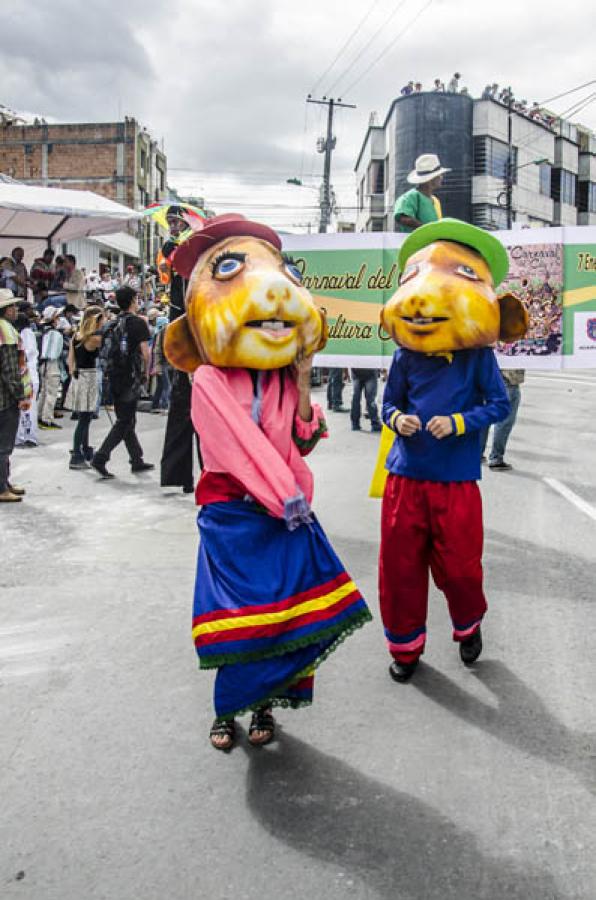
591,329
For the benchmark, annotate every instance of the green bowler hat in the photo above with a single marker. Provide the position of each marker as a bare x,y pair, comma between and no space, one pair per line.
490,249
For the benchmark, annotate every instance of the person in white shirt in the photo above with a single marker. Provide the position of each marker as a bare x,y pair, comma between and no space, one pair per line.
52,346
74,285
27,433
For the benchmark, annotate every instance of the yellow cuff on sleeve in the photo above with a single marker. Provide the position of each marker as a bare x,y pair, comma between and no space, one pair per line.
460,425
393,419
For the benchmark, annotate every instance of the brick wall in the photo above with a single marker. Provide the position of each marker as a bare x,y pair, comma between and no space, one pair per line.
78,156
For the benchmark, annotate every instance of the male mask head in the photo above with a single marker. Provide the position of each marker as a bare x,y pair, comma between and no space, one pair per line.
447,299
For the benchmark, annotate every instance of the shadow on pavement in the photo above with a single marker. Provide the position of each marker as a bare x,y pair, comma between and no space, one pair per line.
400,847
544,456
520,720
524,567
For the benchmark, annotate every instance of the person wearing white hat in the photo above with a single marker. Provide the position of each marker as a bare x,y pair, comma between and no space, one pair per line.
419,205
52,346
15,392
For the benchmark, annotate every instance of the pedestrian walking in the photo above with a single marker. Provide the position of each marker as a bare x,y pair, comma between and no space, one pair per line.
127,362
50,372
15,392
83,392
365,381
513,379
335,389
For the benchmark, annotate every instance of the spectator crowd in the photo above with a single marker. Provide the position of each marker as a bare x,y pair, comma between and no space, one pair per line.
491,92
55,352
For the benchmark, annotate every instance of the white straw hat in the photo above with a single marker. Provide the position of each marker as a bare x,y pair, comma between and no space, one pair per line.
428,166
50,313
7,298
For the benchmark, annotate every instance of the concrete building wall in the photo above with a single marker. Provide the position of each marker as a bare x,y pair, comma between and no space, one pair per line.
587,167
566,155
474,145
565,214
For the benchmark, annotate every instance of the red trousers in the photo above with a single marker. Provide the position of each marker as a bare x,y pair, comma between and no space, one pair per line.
436,526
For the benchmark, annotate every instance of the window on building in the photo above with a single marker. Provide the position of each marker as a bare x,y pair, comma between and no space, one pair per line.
143,162
491,157
376,225
563,186
376,176
544,171
361,196
586,196
490,217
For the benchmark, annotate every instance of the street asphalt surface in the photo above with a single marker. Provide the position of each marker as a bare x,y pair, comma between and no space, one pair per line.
465,784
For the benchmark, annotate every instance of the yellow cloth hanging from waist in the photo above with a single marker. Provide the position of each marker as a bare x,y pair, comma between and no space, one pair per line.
377,485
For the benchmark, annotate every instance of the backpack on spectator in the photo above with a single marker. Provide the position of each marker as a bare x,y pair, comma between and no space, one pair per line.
120,365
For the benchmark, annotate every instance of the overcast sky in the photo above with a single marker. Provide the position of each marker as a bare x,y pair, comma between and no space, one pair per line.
224,82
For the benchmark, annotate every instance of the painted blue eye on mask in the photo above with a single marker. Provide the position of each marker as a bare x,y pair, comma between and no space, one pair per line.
294,272
228,265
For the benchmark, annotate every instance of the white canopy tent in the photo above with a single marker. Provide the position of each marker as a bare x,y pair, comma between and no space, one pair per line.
37,217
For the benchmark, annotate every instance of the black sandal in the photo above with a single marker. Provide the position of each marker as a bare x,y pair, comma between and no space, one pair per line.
223,728
262,720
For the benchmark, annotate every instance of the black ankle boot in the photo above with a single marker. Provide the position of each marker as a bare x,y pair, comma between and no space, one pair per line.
471,648
402,672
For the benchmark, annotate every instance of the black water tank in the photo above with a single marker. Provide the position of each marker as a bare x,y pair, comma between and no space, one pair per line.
440,123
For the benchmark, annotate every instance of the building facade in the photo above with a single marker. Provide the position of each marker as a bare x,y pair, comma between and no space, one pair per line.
118,160
553,167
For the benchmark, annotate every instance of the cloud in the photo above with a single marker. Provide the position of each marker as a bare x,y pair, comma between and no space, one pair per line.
71,60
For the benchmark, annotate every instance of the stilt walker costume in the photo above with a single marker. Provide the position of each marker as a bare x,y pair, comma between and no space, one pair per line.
179,450
444,387
272,599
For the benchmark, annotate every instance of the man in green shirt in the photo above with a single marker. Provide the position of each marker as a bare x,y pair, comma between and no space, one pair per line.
419,205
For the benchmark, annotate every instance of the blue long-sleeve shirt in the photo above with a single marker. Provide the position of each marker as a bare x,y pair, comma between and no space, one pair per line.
469,388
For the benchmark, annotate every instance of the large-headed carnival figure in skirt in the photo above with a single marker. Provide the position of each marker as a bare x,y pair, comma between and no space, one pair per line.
272,599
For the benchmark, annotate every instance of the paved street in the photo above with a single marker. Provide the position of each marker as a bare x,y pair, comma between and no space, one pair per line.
462,785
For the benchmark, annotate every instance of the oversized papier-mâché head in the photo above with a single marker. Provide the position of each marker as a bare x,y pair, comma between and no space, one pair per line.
447,296
245,303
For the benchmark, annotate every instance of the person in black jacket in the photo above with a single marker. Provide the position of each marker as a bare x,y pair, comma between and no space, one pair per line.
127,362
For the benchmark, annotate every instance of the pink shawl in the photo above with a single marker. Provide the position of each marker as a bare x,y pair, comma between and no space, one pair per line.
263,457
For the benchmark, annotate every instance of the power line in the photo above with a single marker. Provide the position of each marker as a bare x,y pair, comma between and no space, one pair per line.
389,46
566,93
577,107
345,45
363,50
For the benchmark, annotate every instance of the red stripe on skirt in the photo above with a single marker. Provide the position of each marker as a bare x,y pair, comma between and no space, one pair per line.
260,631
312,594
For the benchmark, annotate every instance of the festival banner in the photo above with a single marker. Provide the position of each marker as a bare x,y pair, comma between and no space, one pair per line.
579,298
552,270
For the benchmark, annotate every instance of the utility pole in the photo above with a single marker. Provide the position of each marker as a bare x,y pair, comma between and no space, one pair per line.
327,146
509,171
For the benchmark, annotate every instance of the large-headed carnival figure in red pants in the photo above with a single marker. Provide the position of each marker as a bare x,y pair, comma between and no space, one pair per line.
444,387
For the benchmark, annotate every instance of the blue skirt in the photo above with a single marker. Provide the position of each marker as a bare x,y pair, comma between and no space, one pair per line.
270,605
